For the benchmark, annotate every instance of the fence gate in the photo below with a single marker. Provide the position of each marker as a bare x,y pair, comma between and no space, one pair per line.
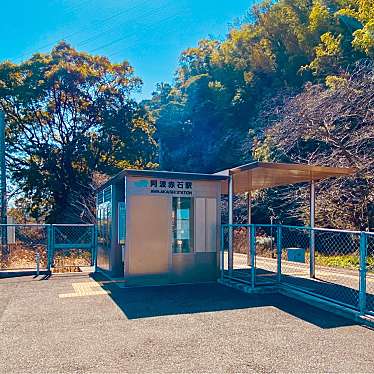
72,247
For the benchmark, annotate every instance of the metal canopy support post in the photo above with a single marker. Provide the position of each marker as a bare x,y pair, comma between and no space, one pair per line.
312,233
230,207
249,207
249,221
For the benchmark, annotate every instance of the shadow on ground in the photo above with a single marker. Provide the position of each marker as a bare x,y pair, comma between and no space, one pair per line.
143,302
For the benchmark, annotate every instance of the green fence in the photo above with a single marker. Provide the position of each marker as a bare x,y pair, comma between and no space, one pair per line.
57,247
336,265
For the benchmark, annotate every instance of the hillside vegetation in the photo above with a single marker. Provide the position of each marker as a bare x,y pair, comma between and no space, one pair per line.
294,82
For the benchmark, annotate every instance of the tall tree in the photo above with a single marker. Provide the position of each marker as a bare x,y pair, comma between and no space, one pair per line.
70,114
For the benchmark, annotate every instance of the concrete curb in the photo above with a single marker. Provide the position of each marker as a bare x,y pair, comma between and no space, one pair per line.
248,289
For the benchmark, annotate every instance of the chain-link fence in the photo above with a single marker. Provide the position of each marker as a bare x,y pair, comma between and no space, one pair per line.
22,246
266,258
295,246
236,264
336,265
60,248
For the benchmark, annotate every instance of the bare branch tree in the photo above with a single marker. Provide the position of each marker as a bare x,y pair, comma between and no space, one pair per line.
333,126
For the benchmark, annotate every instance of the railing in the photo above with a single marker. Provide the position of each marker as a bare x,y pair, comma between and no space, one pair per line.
45,247
337,265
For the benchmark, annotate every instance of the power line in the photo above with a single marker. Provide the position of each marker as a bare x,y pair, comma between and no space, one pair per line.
126,36
149,28
105,32
101,23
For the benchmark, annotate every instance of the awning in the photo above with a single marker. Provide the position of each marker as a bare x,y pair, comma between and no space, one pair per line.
260,175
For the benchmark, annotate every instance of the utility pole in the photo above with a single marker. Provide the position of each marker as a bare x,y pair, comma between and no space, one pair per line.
3,199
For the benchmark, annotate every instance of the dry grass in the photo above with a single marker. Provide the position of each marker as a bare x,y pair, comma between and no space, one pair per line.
21,256
71,261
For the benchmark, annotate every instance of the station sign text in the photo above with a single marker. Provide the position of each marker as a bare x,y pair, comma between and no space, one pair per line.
170,187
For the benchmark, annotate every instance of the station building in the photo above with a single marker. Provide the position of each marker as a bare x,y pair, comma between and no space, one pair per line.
158,227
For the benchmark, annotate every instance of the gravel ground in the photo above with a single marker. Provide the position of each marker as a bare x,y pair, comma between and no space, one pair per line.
191,328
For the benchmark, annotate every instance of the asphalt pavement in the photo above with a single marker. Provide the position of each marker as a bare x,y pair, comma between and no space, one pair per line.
76,324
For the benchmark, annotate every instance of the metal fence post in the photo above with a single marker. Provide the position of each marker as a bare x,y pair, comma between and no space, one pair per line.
37,259
312,244
312,254
94,248
52,253
49,247
253,255
279,253
222,254
230,208
362,275
93,235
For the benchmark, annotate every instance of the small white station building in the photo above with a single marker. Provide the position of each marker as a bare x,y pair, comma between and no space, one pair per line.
158,227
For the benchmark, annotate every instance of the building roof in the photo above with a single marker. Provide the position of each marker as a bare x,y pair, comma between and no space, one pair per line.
248,177
260,175
162,174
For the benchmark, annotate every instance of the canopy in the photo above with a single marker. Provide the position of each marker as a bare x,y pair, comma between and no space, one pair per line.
259,175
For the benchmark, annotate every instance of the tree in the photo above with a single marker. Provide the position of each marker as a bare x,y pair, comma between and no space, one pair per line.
70,114
332,126
227,95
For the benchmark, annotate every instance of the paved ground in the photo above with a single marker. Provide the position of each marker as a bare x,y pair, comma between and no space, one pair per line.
72,324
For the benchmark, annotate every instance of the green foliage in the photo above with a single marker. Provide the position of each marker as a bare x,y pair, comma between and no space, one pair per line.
343,261
70,114
361,13
275,89
328,54
226,93
221,86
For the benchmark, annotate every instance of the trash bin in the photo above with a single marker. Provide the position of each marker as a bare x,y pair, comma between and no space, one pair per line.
296,254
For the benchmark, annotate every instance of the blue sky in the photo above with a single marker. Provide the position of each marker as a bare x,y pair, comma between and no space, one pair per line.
150,34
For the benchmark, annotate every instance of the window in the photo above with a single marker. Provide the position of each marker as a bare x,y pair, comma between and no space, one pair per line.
122,223
182,224
104,226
